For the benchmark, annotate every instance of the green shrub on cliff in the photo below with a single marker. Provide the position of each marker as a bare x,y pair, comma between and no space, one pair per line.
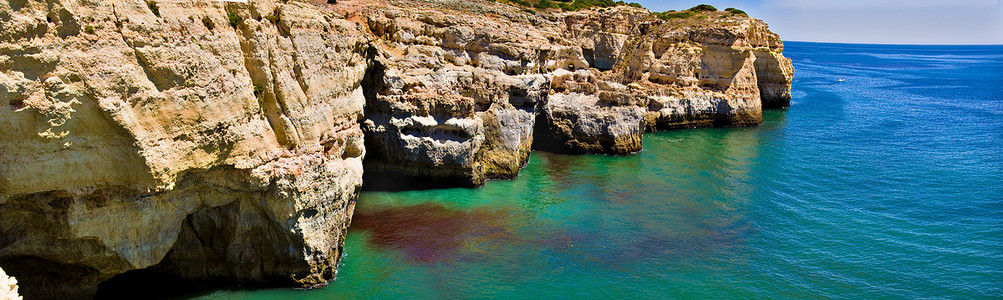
693,11
585,4
234,18
735,11
258,91
569,5
545,4
703,7
674,15
520,3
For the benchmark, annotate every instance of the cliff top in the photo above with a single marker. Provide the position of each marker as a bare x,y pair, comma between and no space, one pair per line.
526,17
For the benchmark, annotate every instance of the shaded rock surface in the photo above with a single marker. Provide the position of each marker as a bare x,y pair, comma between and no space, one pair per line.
212,142
580,123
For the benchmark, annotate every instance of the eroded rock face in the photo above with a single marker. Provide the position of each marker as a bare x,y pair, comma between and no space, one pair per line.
451,101
214,142
585,82
580,123
219,141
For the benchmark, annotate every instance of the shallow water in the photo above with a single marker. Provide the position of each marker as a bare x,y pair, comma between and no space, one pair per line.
886,185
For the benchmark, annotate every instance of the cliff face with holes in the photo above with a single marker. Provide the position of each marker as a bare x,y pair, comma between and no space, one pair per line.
458,97
214,142
135,137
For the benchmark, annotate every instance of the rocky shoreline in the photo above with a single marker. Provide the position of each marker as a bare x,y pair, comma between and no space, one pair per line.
212,142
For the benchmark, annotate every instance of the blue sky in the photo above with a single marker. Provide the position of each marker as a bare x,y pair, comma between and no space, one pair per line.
869,21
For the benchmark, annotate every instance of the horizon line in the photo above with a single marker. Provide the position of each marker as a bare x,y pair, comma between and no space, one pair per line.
895,44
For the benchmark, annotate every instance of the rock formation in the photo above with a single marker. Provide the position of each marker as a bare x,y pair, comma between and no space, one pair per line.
217,142
8,287
459,98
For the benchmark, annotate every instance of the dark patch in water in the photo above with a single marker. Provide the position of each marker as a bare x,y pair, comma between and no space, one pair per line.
559,167
432,233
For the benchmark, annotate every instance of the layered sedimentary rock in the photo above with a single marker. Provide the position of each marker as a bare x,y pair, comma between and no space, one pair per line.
585,82
450,100
217,141
8,287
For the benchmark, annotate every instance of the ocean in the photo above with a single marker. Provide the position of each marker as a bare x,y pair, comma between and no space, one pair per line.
887,184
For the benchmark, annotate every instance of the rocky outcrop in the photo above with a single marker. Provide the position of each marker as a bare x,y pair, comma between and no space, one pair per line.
774,73
223,142
460,97
582,123
451,99
216,141
8,287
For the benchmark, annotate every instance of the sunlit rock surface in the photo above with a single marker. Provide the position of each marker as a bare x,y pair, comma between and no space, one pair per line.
135,137
216,142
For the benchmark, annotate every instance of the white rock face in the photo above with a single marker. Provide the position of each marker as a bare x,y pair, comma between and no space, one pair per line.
8,287
582,123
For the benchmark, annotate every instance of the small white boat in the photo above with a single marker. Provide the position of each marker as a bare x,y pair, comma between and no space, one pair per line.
841,80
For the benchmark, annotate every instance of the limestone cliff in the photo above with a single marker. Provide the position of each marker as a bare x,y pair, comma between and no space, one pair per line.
218,140
462,89
222,142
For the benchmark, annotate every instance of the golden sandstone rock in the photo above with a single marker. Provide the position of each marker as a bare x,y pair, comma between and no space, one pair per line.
133,139
223,142
579,82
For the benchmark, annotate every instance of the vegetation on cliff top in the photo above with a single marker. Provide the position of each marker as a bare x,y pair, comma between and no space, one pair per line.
696,11
569,5
575,5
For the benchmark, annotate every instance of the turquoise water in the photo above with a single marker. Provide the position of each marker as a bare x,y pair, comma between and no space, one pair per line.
886,185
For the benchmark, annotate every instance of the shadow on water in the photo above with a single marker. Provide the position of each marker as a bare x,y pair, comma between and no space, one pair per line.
390,181
431,233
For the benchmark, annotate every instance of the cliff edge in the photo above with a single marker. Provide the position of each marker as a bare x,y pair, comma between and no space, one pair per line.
224,142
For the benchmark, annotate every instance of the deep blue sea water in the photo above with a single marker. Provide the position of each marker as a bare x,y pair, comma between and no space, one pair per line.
888,184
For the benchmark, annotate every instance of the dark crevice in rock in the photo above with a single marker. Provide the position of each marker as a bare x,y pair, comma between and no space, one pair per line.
203,258
590,57
394,181
544,139
44,279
